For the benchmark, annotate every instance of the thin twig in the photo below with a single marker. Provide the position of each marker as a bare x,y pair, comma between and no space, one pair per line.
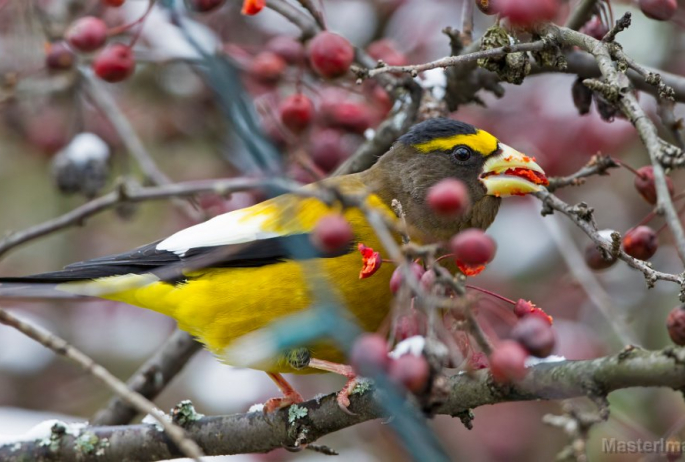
598,165
456,60
316,13
187,446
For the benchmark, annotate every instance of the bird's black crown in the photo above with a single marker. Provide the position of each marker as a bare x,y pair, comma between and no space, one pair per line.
439,127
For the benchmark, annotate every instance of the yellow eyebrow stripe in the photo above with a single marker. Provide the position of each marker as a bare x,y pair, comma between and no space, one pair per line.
480,141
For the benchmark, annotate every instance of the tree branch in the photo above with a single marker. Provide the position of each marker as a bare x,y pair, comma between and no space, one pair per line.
256,432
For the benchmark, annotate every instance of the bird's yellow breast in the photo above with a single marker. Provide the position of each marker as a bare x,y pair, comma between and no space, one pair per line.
219,305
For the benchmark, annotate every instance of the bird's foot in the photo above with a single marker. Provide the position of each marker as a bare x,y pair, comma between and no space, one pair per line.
343,397
274,404
290,396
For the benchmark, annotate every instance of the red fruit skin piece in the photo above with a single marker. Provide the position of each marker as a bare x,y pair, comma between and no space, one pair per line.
675,323
473,247
641,242
644,183
535,335
252,7
330,54
507,361
410,371
115,63
660,10
332,233
449,197
87,34
369,354
296,112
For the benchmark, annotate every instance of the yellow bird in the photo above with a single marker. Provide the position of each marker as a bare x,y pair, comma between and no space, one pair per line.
257,279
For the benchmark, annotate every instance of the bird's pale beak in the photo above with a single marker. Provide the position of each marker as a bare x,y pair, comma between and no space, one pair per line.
512,173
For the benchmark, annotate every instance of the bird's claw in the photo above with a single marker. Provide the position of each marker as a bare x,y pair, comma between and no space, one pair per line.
343,397
274,404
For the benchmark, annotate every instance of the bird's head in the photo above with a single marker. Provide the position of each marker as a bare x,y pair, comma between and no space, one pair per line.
442,148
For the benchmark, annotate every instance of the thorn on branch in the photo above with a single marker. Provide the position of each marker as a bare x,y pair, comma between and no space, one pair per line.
621,24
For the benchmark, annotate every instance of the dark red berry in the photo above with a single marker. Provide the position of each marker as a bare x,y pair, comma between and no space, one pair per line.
508,361
398,277
369,354
87,34
675,323
330,54
644,183
267,67
385,50
328,149
115,63
114,3
582,96
203,6
332,233
59,57
528,12
348,115
291,50
408,326
661,10
535,335
473,247
594,257
449,197
641,242
410,371
595,28
296,112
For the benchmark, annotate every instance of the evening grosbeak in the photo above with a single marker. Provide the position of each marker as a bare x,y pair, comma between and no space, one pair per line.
260,276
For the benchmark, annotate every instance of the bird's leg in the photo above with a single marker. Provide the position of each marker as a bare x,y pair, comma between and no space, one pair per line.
290,396
343,397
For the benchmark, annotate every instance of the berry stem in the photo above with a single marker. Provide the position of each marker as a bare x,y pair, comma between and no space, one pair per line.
628,167
492,294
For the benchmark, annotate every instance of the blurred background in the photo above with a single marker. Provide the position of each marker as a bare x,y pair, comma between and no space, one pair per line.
173,112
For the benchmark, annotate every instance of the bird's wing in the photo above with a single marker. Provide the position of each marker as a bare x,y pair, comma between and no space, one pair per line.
270,232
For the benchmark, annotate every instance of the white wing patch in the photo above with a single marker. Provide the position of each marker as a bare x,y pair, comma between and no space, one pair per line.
237,227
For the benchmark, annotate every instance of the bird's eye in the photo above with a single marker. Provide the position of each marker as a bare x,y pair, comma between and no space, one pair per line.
461,154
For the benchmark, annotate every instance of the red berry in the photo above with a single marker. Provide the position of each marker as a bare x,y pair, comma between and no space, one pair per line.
644,183
675,323
87,34
332,233
267,67
386,51
408,326
348,115
595,28
428,279
508,361
330,54
59,57
296,112
410,371
641,242
473,247
535,335
287,48
114,3
203,6
369,354
661,10
527,12
115,63
594,258
397,278
487,6
327,149
449,197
